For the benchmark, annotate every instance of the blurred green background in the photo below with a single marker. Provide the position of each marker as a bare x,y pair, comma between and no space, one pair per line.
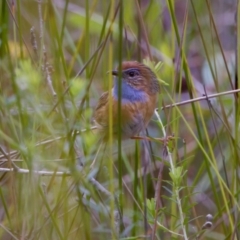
54,63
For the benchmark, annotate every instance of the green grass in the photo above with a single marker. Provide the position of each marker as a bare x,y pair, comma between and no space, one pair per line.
51,78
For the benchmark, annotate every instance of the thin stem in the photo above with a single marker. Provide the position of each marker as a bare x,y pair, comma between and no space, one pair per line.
176,189
201,98
42,173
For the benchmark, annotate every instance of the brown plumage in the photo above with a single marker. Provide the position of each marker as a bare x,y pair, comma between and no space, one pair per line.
140,88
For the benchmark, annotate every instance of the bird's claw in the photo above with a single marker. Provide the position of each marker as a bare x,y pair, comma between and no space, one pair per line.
164,140
167,139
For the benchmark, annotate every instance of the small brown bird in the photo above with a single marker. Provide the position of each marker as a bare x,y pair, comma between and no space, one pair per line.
139,91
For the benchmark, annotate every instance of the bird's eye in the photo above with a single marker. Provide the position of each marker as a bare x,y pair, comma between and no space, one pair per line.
131,74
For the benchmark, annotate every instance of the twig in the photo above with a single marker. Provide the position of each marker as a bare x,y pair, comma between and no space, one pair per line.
8,231
42,173
46,67
5,155
99,187
200,98
33,40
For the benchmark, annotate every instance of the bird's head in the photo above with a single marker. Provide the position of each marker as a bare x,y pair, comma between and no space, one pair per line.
138,76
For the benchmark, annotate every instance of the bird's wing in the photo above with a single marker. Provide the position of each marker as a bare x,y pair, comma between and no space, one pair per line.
102,101
101,112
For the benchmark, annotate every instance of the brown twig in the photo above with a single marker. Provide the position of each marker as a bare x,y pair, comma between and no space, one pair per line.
201,98
39,172
46,67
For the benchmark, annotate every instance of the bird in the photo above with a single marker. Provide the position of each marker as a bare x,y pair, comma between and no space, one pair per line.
139,94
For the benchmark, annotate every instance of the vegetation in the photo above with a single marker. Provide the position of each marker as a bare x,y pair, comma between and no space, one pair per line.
55,57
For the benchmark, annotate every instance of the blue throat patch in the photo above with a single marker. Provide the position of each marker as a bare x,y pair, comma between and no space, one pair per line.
129,93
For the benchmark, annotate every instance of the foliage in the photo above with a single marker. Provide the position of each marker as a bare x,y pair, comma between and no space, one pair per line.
54,62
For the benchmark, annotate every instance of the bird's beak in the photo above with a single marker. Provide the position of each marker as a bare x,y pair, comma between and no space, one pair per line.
114,72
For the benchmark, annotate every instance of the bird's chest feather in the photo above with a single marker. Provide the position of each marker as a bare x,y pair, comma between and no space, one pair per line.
133,103
136,110
129,94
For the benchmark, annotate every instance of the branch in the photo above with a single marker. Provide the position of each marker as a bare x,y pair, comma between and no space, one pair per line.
42,173
205,97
